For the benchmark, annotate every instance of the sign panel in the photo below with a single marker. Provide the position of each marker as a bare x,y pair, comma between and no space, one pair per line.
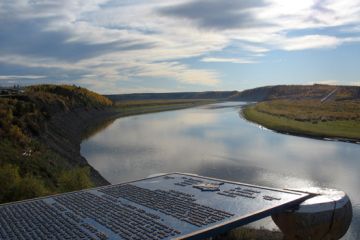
170,206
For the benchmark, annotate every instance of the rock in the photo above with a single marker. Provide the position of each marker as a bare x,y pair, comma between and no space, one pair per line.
326,216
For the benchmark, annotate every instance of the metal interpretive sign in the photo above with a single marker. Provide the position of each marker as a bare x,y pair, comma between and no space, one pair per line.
169,206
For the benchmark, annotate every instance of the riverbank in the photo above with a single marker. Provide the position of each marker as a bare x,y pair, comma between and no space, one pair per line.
333,120
66,130
38,145
41,130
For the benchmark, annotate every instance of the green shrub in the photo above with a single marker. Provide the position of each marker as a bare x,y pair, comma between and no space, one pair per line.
74,179
71,96
29,187
17,135
14,188
9,178
28,167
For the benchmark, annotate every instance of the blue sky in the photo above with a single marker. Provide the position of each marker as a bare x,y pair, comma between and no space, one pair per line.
123,46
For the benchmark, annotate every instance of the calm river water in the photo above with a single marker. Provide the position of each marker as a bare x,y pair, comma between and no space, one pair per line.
215,141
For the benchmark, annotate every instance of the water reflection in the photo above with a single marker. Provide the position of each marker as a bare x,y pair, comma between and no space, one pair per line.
98,128
215,141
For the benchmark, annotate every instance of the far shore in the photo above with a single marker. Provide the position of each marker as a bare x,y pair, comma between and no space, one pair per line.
338,130
137,107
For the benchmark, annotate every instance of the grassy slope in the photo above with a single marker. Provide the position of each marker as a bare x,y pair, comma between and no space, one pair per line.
333,119
27,157
316,91
25,160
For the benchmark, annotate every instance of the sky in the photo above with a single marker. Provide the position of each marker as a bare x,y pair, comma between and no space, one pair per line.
126,46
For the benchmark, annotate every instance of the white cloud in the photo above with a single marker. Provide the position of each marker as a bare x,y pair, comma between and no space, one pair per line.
226,60
351,39
139,41
14,77
87,23
180,72
355,83
254,49
309,42
36,62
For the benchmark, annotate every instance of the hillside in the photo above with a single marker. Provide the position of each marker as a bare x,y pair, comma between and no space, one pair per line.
335,119
37,154
319,111
316,91
41,129
220,95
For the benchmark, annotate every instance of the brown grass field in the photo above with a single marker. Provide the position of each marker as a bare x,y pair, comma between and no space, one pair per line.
332,119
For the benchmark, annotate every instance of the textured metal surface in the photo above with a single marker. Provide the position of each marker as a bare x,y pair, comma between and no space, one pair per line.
171,206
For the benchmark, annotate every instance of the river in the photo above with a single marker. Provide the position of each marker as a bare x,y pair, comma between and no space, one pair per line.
214,140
